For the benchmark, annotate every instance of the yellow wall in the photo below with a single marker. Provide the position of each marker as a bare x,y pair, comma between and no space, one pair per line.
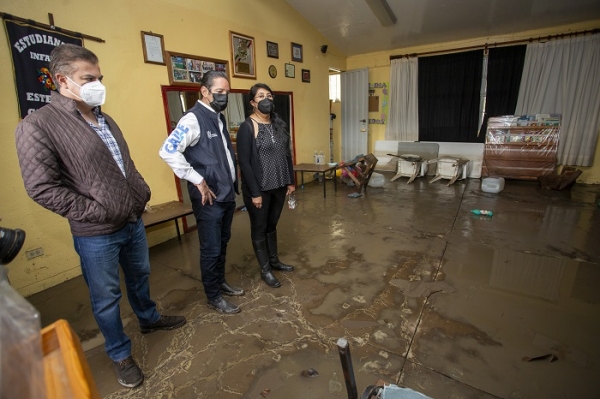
379,71
377,131
197,27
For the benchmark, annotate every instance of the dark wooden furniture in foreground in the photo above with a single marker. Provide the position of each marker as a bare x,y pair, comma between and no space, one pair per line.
166,212
317,168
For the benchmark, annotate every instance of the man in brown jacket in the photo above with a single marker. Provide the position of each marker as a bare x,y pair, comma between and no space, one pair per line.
75,162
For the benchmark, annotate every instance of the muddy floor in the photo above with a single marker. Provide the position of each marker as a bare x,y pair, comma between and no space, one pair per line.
429,296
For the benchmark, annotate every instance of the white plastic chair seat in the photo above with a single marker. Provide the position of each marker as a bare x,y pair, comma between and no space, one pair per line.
450,168
411,166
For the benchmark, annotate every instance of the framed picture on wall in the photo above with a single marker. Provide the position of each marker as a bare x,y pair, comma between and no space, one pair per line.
272,50
243,55
306,75
290,71
296,52
186,69
154,48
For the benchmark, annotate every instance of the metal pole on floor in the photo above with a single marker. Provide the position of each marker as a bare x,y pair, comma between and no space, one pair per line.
344,351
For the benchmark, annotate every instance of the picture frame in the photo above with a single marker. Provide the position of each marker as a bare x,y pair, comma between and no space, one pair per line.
306,75
272,49
188,70
243,55
290,71
296,52
153,46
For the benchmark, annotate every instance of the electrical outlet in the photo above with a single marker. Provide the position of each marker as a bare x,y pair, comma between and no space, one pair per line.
34,253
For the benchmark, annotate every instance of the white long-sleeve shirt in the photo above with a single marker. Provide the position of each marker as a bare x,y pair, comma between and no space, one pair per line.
187,134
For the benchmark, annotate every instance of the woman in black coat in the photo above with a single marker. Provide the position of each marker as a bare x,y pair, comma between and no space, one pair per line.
265,159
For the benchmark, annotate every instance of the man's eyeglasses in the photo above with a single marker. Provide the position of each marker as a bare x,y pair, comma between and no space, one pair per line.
262,96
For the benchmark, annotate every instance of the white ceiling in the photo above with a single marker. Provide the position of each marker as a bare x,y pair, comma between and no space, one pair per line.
352,26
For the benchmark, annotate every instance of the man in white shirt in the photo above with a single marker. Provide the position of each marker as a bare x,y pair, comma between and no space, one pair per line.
199,150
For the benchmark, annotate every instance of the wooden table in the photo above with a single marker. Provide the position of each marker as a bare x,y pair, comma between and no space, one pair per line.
166,212
317,168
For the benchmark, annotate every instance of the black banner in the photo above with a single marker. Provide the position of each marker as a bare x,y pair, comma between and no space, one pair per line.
31,47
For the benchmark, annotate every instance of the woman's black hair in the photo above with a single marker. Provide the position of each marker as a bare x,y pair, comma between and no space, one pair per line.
278,123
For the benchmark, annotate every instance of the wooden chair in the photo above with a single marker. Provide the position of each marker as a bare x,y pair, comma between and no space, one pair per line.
364,167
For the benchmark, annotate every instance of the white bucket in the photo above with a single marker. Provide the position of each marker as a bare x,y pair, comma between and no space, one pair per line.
492,184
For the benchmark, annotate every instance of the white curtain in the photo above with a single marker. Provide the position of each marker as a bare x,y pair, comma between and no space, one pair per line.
403,121
563,77
234,113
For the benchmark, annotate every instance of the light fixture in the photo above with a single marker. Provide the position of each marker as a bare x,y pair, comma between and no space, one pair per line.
382,11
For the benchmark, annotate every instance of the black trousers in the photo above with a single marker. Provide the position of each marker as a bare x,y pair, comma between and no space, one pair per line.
264,220
214,231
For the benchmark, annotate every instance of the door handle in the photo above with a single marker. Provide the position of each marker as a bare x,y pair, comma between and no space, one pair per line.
363,120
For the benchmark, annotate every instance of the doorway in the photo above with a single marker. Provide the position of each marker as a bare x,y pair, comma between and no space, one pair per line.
355,128
177,100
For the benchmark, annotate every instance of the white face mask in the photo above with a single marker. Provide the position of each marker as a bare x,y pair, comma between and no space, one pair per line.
93,93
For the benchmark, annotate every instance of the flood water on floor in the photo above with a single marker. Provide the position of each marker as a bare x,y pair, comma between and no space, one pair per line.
429,296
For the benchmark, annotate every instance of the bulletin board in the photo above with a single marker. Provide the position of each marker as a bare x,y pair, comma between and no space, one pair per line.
186,69
379,90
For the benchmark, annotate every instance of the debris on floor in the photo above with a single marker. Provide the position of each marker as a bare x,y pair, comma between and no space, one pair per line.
550,357
395,392
310,373
484,212
377,180
414,289
564,181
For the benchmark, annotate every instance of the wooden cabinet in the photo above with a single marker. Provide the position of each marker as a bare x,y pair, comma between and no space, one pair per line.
520,152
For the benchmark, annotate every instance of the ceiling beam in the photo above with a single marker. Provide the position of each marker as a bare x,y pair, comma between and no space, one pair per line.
382,11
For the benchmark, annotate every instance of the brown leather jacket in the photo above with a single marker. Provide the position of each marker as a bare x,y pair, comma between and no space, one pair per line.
67,168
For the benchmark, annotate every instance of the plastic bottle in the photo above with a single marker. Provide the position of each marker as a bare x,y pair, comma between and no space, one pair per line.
482,212
21,355
292,201
316,157
321,157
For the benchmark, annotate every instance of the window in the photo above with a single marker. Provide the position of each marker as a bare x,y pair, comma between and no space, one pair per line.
334,87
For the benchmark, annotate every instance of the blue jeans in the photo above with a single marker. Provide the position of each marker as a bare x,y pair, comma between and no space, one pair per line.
214,231
100,259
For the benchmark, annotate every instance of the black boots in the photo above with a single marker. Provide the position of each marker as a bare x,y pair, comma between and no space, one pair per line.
273,258
230,290
260,250
266,255
222,305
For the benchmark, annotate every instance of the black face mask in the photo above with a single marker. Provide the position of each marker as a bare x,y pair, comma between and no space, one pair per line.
266,106
219,102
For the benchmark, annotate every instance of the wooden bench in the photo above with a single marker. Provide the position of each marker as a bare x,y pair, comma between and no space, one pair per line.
161,213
